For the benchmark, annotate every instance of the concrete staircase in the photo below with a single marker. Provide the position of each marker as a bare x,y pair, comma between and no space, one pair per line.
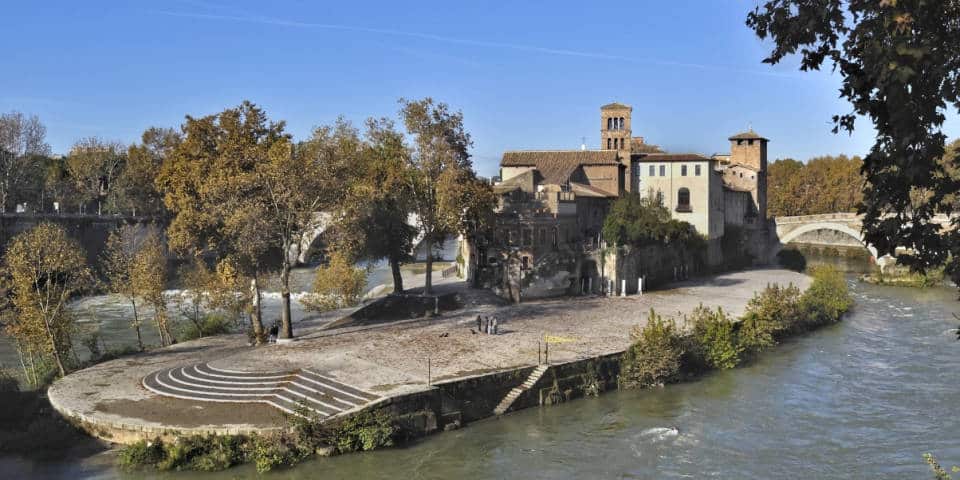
515,393
286,391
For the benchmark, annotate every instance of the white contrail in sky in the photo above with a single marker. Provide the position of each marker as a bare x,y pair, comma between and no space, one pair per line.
461,41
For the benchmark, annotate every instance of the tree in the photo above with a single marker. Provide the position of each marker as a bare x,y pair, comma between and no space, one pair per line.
136,188
373,214
22,147
338,284
783,188
209,184
825,184
898,60
292,186
439,173
117,265
94,165
148,276
46,268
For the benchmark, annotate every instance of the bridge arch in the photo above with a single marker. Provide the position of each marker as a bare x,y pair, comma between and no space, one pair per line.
837,227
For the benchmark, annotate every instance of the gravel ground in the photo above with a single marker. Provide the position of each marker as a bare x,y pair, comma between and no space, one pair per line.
391,359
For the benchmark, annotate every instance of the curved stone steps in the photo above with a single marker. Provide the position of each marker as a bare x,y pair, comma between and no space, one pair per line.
286,391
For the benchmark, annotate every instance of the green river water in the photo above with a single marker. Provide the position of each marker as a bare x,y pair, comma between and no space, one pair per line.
861,399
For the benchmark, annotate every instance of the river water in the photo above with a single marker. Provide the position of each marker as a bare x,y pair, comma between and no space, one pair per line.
861,399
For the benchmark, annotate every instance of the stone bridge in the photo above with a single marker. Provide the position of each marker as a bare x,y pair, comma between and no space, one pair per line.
312,237
843,225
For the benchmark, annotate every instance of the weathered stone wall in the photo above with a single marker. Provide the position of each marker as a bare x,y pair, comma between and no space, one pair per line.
90,230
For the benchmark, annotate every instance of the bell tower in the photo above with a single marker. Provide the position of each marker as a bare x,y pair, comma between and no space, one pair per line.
615,127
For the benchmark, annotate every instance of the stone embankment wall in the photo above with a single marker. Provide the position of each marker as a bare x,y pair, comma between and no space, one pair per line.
90,230
450,405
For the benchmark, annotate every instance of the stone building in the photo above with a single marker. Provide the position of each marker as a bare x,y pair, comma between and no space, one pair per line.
552,205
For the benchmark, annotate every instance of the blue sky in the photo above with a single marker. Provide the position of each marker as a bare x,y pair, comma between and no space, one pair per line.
527,75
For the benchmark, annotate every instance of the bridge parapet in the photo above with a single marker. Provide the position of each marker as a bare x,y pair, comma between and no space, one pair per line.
843,216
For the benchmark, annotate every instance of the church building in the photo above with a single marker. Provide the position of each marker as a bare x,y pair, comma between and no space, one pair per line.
552,204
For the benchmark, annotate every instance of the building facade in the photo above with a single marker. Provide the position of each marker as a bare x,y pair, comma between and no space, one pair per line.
552,205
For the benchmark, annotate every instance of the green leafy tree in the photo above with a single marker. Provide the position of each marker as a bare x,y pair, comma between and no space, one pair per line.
292,186
136,189
439,173
898,60
378,203
209,183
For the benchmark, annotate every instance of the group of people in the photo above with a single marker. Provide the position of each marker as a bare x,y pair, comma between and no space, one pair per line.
488,325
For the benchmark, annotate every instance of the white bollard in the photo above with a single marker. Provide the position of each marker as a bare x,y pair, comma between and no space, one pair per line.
623,288
640,285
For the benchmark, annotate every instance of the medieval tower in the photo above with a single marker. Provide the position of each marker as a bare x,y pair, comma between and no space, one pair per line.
615,127
748,167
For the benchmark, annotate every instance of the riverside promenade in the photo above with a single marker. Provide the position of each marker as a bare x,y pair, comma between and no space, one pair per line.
340,370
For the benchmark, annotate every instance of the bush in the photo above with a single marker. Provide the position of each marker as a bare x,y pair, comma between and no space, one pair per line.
713,339
270,452
363,431
210,324
770,315
826,300
338,284
141,454
655,356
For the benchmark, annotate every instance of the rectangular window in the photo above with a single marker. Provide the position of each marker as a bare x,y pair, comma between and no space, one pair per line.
543,236
527,237
696,170
663,170
653,170
683,170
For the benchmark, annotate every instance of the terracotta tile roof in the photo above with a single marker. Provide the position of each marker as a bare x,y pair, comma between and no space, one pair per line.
615,105
748,135
672,157
556,167
583,190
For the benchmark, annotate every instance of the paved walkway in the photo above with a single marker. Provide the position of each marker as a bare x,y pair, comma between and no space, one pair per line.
336,371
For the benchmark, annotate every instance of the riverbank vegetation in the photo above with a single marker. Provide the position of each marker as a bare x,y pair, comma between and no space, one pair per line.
305,437
666,352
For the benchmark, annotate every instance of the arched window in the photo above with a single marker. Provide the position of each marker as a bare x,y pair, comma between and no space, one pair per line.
609,123
609,144
621,123
683,200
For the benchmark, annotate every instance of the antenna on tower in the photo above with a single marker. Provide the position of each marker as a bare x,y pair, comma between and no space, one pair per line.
750,126
583,143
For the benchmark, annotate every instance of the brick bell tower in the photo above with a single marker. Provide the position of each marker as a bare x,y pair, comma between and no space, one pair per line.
615,127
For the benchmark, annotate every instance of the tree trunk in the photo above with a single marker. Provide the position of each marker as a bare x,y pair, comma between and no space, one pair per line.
286,329
397,276
256,314
55,350
136,324
428,282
